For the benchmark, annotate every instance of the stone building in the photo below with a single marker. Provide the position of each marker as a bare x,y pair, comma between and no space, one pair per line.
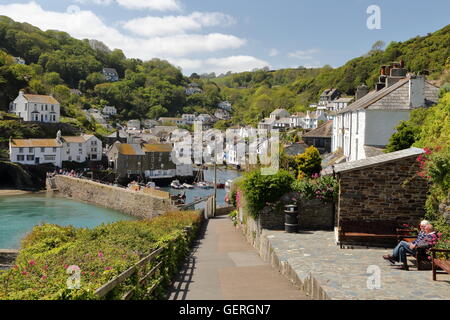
384,188
320,137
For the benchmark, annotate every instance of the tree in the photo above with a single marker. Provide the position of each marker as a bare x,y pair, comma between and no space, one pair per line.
378,46
402,139
308,163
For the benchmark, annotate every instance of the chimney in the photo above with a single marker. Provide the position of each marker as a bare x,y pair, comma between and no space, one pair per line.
381,84
361,91
417,91
21,93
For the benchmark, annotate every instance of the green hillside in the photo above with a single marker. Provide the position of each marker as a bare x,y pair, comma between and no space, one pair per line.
56,63
255,94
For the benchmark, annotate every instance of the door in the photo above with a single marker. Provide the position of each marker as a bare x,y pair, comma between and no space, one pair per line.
36,160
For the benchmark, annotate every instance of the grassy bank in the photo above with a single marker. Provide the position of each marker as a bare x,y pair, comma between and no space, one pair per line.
101,254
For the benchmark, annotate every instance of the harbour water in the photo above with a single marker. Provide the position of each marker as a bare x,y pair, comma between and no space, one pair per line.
19,214
222,176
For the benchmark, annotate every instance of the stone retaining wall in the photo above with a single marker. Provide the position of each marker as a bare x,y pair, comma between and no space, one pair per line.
313,215
134,203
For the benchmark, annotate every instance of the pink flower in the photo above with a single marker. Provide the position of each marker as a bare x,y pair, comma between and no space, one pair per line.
32,262
108,268
66,266
44,277
92,273
24,273
100,254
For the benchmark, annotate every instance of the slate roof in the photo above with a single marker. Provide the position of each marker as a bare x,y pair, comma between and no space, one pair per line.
36,98
33,143
393,97
325,130
74,139
350,99
157,148
110,70
372,151
130,149
373,161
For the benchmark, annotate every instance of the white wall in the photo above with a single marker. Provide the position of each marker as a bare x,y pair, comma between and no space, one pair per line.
94,148
36,153
381,124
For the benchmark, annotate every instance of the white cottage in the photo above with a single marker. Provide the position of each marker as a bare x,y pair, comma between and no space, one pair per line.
35,151
32,107
364,127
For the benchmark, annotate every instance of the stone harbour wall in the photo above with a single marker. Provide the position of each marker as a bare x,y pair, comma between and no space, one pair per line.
138,204
385,192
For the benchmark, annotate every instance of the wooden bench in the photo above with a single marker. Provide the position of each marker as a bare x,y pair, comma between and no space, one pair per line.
368,232
437,263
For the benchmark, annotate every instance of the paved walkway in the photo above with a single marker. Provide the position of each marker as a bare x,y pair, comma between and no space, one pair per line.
223,266
344,274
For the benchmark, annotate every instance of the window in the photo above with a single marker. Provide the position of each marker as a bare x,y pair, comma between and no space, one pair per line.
30,149
20,150
53,108
78,158
94,157
42,149
20,157
54,149
70,158
30,158
46,108
80,151
49,158
80,145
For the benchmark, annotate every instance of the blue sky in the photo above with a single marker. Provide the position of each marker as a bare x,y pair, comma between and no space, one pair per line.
219,36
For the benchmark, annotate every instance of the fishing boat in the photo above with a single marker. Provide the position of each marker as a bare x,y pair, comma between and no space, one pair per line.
203,185
228,184
175,184
188,186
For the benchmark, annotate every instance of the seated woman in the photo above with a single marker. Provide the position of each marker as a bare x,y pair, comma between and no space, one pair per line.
424,240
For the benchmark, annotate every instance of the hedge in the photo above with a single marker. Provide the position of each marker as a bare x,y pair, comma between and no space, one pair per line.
101,253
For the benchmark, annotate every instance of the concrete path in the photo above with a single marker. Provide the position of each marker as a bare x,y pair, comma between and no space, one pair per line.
223,266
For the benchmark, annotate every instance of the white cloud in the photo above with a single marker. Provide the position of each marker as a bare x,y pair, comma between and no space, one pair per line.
221,65
273,52
85,24
160,5
170,25
98,2
304,54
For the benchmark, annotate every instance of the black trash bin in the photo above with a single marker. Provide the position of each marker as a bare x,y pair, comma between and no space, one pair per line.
291,218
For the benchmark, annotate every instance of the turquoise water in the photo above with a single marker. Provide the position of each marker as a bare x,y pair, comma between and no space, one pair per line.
19,214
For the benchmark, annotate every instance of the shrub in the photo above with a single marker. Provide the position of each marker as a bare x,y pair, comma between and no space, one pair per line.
324,188
308,163
261,190
101,253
